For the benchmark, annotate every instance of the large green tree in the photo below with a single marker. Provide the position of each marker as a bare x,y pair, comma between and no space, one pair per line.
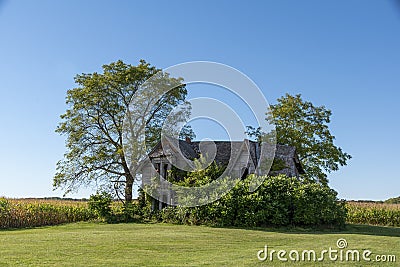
301,124
93,125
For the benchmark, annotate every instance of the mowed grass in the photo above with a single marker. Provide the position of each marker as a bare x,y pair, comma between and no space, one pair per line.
94,244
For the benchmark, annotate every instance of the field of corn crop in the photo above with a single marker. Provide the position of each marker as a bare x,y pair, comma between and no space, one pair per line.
373,213
22,213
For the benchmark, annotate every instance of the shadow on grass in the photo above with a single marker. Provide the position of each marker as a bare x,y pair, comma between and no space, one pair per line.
359,229
373,230
50,226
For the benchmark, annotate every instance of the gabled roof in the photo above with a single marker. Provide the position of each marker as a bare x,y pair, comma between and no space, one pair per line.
186,149
289,152
191,150
223,150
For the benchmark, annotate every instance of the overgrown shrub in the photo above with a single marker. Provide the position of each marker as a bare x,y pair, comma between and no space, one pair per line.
279,201
100,203
116,212
131,212
317,204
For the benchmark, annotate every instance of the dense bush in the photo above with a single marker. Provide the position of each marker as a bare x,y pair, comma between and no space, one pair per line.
317,205
100,203
107,210
20,214
279,201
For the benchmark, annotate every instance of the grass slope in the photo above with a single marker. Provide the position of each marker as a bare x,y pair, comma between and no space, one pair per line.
90,244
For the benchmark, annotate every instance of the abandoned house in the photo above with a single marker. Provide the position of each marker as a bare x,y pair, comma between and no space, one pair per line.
246,161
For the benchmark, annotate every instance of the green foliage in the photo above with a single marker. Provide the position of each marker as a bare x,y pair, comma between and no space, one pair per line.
100,203
111,212
301,124
279,201
278,165
176,175
93,125
203,174
317,204
304,126
394,200
131,213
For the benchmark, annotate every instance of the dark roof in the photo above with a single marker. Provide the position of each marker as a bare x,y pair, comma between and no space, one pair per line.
223,152
191,150
284,151
187,150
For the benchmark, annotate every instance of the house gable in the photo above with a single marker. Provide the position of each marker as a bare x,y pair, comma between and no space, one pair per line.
247,155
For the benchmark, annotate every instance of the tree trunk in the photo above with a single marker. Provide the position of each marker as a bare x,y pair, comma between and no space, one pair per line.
128,188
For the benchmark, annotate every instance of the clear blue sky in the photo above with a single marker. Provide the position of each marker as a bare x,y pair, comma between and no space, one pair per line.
343,54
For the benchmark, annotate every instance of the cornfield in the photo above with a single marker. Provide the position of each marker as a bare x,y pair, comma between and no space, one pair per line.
21,213
373,213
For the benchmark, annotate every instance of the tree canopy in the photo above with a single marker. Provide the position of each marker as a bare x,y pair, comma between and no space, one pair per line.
93,125
304,126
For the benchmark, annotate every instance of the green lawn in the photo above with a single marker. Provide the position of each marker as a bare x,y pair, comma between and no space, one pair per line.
90,244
